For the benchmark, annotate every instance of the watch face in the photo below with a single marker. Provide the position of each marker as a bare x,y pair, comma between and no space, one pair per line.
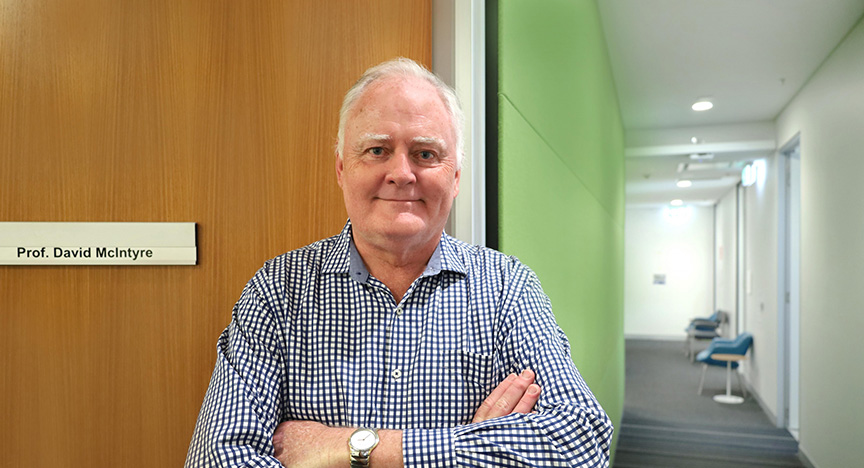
363,440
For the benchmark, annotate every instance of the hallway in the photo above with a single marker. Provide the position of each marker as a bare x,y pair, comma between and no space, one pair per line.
666,424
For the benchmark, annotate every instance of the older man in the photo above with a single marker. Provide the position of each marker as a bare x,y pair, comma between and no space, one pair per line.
393,344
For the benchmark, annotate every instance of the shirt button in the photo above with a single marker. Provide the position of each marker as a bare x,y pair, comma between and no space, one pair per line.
397,373
399,310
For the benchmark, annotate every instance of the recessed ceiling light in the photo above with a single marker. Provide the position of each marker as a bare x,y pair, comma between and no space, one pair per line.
676,202
684,183
702,105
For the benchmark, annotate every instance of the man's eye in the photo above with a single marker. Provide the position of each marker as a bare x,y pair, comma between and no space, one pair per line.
427,155
377,151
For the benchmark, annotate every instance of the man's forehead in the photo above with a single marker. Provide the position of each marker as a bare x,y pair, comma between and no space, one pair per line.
392,88
393,99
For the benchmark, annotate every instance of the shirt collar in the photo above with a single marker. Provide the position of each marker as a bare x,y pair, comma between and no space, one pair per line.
450,257
344,257
337,260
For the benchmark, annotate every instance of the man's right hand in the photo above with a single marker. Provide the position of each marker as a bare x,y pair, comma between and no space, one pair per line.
516,394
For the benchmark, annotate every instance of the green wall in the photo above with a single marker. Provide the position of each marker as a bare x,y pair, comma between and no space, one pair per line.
561,176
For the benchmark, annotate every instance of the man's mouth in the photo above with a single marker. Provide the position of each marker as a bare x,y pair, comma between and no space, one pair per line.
399,200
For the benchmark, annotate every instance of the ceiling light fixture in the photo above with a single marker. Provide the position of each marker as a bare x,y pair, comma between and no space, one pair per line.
702,105
684,183
676,202
701,156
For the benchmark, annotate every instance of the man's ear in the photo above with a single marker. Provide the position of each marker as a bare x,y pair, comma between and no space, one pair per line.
456,185
339,168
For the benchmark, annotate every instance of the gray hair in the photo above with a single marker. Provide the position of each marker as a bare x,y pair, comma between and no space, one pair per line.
407,68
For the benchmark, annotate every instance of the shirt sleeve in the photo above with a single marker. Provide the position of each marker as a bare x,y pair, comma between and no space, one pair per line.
569,427
240,410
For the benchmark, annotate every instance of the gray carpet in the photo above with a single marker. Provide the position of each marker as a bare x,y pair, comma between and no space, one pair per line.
667,424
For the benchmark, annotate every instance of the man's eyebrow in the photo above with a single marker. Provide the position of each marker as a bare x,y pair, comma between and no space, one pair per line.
371,138
367,137
430,141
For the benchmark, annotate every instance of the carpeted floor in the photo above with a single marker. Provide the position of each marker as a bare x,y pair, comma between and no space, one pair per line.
667,424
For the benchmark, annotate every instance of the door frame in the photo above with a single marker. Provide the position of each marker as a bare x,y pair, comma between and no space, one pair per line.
459,58
788,287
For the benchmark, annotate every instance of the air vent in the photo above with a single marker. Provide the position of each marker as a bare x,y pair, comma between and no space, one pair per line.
704,166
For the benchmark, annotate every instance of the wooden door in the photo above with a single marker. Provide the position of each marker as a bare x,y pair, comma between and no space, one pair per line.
221,113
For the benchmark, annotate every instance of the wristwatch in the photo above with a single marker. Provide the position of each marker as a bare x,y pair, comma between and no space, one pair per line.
361,443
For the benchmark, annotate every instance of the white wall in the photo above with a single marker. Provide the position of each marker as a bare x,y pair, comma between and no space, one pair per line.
829,114
681,250
759,314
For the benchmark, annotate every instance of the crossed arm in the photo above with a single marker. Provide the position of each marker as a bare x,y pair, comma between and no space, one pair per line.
312,444
244,401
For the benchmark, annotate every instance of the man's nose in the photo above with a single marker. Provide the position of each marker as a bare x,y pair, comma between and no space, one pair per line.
400,170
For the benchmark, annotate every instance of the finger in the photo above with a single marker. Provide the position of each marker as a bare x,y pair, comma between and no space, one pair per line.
512,395
489,403
529,399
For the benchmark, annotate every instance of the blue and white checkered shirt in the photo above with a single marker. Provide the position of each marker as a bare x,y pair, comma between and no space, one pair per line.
315,337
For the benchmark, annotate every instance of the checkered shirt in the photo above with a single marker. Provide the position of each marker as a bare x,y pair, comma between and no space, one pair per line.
315,337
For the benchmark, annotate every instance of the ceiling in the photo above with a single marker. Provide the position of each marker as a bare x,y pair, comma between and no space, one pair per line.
750,57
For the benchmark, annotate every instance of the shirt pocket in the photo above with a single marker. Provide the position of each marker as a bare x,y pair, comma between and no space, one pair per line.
470,378
472,367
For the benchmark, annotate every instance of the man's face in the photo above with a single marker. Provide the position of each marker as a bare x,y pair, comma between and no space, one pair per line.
399,171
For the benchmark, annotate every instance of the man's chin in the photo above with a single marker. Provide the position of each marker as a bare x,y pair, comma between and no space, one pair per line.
406,228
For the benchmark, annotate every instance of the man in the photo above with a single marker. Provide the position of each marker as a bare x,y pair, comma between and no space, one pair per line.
450,351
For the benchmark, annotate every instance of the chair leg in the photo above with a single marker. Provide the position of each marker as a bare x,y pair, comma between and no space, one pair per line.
691,353
741,384
702,380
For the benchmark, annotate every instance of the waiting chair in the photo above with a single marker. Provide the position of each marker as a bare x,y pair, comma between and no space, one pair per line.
706,328
736,347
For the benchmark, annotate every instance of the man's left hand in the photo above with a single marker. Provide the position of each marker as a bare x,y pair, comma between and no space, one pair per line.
516,394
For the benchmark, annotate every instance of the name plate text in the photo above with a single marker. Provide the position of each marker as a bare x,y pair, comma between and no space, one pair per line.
50,243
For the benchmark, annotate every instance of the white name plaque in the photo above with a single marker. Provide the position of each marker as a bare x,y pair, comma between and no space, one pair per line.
48,243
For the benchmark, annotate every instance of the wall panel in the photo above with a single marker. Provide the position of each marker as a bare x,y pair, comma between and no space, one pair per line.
223,113
561,176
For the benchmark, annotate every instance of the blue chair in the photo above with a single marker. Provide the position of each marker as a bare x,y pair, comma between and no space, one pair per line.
731,351
706,328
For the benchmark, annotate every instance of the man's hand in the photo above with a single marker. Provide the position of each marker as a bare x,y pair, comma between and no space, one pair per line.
516,394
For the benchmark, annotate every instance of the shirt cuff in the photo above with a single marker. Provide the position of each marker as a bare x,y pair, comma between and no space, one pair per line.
428,447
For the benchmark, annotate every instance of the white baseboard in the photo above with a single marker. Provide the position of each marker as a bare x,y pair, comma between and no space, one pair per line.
771,416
